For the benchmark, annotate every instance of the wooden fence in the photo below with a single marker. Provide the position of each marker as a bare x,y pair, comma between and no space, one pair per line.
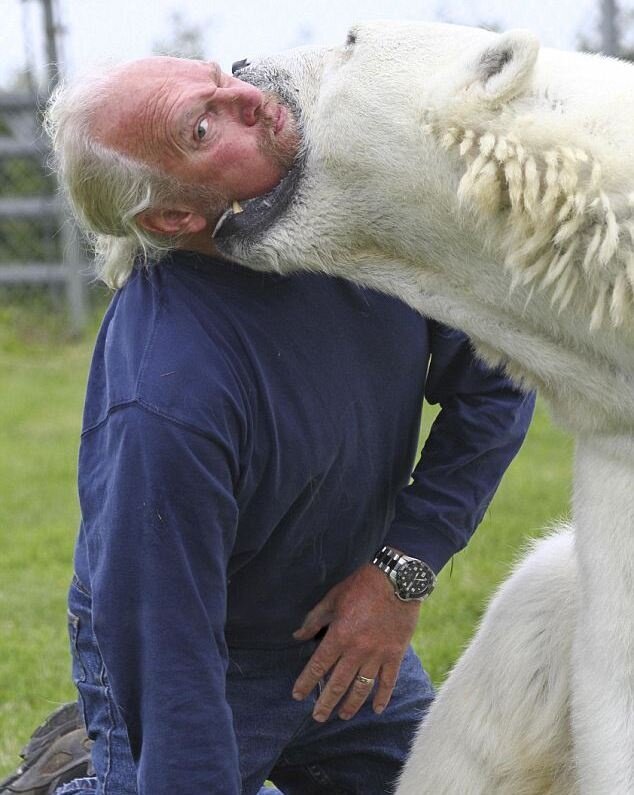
39,243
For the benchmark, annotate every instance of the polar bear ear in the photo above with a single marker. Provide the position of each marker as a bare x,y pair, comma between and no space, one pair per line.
503,71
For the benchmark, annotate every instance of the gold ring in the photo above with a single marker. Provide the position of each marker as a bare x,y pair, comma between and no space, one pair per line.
364,680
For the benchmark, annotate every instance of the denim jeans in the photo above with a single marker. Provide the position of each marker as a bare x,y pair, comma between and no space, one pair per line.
277,737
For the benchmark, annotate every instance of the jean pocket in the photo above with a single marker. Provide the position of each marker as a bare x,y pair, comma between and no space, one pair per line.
78,669
89,672
79,672
87,659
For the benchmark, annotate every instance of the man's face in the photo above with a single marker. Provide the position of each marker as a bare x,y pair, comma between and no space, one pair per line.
200,125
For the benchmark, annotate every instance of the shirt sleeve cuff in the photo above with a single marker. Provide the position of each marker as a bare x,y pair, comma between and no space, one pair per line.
431,546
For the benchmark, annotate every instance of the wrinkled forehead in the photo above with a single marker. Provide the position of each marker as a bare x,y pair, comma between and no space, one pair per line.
160,67
137,81
136,91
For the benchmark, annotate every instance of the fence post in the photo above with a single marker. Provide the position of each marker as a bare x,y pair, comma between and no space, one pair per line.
74,259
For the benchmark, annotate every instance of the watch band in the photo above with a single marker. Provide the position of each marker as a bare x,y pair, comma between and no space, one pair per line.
386,559
395,564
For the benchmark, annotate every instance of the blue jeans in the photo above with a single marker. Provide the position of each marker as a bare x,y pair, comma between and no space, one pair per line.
277,737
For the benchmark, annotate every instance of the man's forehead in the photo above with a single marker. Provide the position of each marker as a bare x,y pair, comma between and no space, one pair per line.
162,67
136,90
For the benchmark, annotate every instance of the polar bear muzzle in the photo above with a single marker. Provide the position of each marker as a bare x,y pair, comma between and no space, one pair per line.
249,220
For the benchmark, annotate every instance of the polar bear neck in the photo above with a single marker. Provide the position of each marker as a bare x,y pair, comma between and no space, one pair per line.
565,228
585,378
510,222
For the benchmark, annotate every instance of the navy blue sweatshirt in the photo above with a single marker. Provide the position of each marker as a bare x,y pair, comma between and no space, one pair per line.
248,442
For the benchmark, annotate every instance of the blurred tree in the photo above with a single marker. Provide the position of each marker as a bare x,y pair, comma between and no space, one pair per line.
466,14
614,30
610,28
186,38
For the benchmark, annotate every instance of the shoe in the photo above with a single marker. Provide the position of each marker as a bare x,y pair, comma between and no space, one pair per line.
58,752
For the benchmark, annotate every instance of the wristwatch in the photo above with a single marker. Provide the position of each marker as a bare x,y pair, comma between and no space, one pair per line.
412,578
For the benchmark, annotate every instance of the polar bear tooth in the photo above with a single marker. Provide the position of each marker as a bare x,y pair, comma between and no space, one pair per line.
236,207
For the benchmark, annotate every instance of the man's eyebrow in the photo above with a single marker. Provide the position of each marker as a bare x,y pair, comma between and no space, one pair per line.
216,72
186,121
192,113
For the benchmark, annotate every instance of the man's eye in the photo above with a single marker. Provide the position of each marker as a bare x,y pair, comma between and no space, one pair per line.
202,128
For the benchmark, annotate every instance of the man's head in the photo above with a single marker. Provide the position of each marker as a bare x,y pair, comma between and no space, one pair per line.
153,151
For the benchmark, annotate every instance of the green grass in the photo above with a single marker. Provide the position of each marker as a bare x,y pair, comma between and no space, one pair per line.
43,374
534,493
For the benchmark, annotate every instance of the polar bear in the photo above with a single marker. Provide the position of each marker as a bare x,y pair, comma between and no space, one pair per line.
490,184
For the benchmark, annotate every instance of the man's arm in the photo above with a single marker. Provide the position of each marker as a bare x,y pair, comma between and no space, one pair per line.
160,520
480,428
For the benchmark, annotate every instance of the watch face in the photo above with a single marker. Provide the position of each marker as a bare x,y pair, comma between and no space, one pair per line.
413,580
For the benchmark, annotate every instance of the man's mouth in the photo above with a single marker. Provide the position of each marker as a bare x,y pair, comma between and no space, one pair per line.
280,121
249,220
274,115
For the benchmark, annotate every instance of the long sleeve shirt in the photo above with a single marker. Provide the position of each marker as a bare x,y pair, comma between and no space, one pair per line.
248,442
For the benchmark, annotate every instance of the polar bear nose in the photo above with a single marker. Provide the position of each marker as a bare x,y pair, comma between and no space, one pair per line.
237,65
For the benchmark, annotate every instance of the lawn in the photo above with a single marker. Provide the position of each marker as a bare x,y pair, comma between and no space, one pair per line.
43,377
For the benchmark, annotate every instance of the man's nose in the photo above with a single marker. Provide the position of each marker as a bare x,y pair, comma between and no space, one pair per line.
244,99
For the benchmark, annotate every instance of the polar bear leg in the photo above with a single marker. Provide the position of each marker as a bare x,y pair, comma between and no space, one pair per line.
603,655
500,724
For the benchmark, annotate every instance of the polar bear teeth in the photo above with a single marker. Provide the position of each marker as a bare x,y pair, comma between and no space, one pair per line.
235,209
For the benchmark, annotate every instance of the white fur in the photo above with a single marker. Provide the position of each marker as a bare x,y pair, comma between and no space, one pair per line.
501,722
489,185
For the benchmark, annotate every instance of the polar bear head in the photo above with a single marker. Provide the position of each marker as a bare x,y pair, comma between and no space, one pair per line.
482,179
445,149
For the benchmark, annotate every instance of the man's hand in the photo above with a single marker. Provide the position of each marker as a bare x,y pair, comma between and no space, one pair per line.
369,630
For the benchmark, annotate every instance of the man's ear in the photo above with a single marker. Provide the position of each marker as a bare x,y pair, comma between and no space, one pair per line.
171,222
503,70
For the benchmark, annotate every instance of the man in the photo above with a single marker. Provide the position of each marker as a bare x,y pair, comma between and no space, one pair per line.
241,607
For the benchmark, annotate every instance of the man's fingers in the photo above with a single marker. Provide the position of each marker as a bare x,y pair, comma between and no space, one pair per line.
385,686
318,618
361,687
335,689
316,669
346,680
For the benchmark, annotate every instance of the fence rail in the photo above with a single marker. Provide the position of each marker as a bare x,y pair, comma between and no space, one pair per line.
30,207
33,273
13,101
39,243
10,148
